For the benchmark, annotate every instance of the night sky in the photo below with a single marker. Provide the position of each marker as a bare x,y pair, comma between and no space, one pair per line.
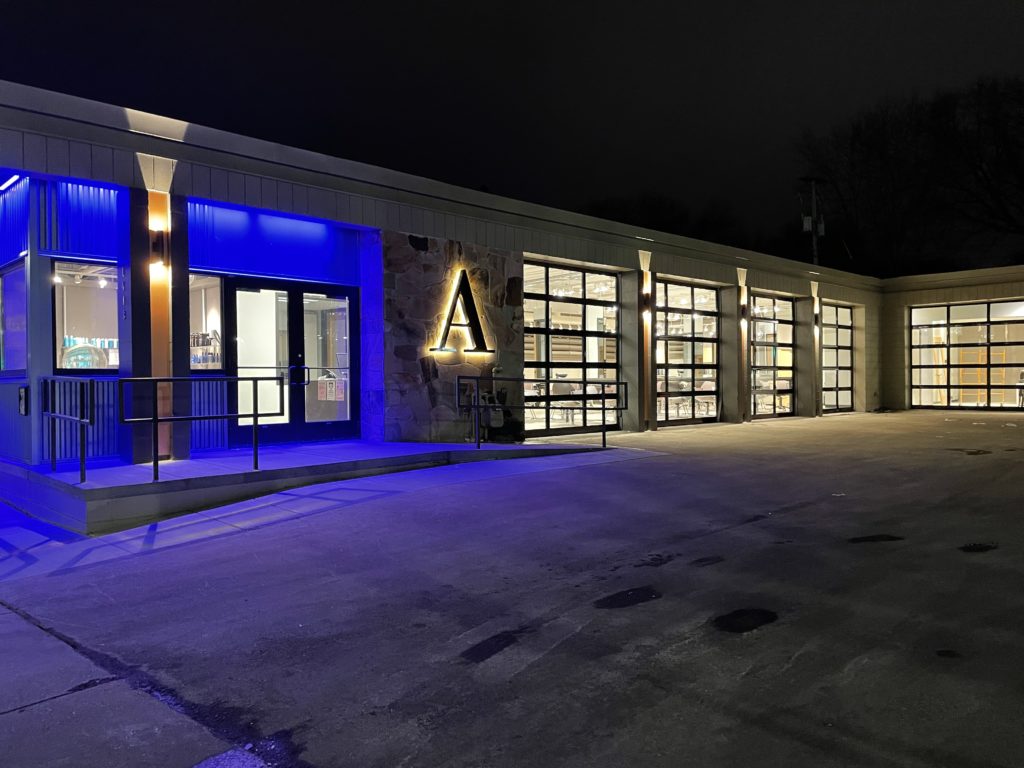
562,103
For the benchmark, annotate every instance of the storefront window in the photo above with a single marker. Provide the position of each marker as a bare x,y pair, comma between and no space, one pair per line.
204,322
836,358
686,351
13,336
571,347
967,356
771,356
85,313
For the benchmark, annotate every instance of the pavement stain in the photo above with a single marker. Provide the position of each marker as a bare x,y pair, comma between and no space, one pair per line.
744,620
628,598
970,451
656,560
704,562
948,653
874,538
979,546
495,644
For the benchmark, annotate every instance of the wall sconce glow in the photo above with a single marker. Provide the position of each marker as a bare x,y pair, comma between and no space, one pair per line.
464,294
103,282
57,279
9,182
647,316
158,271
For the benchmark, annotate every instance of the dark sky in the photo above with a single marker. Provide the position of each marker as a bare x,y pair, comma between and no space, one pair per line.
561,102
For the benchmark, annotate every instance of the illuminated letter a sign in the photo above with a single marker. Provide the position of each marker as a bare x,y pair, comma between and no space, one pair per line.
463,293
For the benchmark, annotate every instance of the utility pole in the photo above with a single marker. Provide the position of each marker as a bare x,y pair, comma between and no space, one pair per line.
814,223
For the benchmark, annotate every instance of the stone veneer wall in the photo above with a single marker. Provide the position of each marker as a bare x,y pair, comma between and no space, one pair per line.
420,386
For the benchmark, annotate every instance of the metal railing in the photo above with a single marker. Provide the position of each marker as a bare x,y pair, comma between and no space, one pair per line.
155,419
60,395
616,391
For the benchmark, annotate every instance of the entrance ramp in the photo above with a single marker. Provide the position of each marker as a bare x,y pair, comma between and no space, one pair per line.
120,496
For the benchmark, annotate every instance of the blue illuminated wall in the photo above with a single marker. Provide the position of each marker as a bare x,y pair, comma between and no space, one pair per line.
83,220
13,220
247,241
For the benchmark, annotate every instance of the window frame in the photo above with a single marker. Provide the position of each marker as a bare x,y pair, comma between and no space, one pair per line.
12,266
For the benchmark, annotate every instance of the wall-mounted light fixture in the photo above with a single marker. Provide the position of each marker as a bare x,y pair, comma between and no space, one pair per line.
7,184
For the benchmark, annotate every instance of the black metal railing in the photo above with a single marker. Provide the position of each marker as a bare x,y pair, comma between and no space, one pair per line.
154,418
578,396
71,400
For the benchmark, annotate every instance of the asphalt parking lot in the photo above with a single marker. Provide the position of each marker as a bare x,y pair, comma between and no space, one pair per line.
844,591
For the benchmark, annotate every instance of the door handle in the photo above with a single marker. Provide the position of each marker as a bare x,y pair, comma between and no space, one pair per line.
304,382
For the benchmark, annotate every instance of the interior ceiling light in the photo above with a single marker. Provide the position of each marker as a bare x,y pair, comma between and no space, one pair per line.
103,282
8,183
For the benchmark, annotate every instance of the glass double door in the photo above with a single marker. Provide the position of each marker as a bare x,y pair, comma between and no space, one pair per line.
299,339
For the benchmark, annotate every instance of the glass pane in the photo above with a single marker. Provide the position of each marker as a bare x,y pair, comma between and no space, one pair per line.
705,406
325,327
13,311
828,336
533,279
828,379
764,307
704,380
565,282
566,349
204,322
783,309
968,375
845,379
705,327
844,358
933,335
828,314
828,400
705,299
968,334
845,337
262,322
535,348
764,356
659,294
968,313
680,407
601,287
534,313
784,379
968,397
932,376
603,319
1006,332
828,358
1008,310
705,353
783,403
785,357
85,314
678,324
1013,354
679,296
844,316
566,317
764,330
602,350
678,352
784,333
928,316
846,399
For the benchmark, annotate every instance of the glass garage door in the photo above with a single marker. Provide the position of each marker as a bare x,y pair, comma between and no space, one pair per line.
771,356
686,352
836,358
967,355
571,347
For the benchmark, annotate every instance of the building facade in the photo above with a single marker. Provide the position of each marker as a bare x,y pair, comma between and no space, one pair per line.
327,300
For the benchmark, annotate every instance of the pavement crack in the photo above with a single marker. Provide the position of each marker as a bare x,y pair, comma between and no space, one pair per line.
74,689
233,725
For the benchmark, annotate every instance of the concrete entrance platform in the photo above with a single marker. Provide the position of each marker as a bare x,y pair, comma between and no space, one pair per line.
119,496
